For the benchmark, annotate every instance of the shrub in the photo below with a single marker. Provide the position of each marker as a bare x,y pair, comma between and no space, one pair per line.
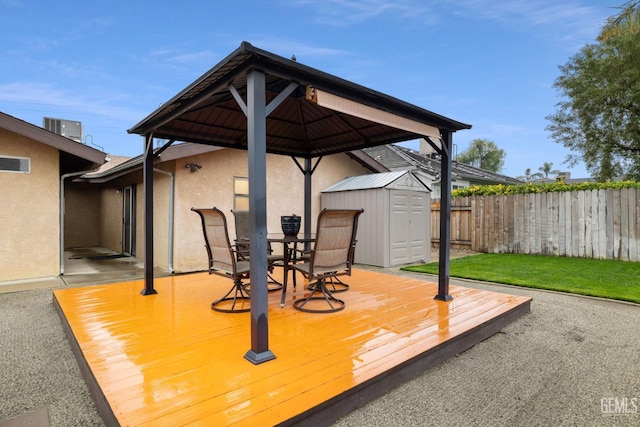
501,189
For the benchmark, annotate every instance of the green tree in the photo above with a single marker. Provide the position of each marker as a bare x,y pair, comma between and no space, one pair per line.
619,23
528,176
483,154
599,118
546,169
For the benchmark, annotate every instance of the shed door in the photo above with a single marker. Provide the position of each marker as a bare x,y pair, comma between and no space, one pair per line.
409,227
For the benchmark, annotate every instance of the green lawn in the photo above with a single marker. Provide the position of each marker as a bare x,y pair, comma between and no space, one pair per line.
601,278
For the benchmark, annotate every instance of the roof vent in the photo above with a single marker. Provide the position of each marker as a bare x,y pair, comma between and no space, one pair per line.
68,128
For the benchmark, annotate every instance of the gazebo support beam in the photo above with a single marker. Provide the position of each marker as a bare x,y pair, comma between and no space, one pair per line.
445,217
257,150
147,177
307,170
147,173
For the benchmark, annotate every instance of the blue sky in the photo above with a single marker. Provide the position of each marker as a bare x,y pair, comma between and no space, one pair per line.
489,63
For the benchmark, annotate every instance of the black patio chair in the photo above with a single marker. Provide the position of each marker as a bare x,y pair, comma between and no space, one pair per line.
331,257
224,260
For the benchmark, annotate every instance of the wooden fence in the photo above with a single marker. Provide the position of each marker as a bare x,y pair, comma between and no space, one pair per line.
601,224
461,223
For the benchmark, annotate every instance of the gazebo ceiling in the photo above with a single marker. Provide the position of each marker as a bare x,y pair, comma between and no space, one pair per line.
206,112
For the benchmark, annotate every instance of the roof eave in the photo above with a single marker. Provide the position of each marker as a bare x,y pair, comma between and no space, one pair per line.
43,136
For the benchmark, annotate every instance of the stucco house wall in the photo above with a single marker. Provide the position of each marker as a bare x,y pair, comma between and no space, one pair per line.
81,216
30,244
111,208
110,218
213,186
178,244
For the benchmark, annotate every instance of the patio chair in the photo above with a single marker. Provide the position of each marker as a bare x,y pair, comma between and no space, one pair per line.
242,242
334,284
224,260
331,257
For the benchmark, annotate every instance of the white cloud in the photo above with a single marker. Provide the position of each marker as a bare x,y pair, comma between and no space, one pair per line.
344,13
42,96
574,17
286,48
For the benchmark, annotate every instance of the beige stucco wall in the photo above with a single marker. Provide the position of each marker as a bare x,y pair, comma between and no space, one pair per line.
111,199
82,215
207,187
161,207
213,186
111,202
111,217
29,213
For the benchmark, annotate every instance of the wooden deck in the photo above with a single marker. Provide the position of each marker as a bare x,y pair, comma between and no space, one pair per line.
168,359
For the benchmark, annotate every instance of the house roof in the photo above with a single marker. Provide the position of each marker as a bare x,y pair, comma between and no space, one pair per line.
74,156
395,157
118,166
318,113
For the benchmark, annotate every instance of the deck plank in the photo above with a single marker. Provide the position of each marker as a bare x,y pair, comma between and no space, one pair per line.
169,357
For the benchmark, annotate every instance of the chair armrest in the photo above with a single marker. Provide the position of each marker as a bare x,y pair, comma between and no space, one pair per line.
241,255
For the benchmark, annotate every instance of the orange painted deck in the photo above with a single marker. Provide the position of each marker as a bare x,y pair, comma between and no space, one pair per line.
168,359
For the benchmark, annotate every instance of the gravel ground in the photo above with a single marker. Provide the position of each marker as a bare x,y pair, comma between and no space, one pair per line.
573,361
37,368
569,362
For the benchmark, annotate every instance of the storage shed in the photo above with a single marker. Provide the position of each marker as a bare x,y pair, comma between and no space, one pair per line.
396,224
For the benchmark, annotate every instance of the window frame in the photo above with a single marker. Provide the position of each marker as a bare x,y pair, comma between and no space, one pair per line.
238,193
28,162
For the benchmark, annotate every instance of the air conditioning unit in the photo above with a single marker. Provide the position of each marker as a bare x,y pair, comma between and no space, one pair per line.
68,128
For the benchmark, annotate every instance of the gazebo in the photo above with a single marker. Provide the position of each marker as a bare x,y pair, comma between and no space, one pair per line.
261,102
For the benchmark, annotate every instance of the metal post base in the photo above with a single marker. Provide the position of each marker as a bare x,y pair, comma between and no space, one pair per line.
257,358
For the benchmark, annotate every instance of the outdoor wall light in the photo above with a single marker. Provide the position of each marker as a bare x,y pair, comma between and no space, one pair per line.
193,166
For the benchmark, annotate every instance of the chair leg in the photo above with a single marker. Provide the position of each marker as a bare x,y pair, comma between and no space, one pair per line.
239,294
338,285
325,294
273,284
284,287
334,285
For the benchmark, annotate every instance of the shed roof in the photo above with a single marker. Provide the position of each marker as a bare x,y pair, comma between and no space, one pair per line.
375,180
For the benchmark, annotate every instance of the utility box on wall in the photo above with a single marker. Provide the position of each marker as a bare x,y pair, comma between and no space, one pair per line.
395,228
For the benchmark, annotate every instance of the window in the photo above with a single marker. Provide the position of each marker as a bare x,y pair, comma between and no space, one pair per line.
240,193
15,164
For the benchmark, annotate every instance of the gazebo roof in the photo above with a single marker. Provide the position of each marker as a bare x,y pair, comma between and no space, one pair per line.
321,115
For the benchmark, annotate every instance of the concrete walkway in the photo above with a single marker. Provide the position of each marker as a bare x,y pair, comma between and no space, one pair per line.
571,361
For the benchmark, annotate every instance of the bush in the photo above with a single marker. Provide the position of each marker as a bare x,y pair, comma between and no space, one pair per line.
500,189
